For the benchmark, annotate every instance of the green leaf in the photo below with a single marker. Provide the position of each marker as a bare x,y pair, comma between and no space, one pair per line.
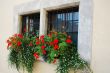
63,46
52,54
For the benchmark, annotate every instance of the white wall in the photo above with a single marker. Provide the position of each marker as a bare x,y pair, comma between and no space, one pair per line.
101,37
6,22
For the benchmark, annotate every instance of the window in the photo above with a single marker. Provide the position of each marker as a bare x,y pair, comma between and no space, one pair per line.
64,20
84,13
30,22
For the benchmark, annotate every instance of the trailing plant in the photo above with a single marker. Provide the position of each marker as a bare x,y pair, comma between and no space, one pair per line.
56,48
59,46
71,60
21,51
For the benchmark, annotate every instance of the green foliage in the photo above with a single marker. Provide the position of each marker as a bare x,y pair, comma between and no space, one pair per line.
13,59
54,45
24,58
26,49
27,58
21,56
71,60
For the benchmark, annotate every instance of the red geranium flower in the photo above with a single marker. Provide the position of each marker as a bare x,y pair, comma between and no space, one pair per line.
55,41
42,37
49,35
36,55
9,44
20,36
56,47
68,41
30,44
43,47
51,43
42,41
37,43
44,52
19,43
15,35
54,61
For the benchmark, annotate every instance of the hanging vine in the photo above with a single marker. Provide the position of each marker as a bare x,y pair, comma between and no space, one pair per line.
26,50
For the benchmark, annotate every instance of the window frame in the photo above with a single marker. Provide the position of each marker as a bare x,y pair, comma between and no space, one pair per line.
85,20
26,24
63,14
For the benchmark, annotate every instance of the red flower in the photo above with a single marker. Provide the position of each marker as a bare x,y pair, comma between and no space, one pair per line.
36,55
54,61
9,44
37,43
49,35
19,43
68,41
43,47
20,36
15,35
44,52
30,44
43,41
42,37
51,43
56,47
55,41
37,39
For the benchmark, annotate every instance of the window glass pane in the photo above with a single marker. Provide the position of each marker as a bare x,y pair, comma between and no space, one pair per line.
30,22
64,20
